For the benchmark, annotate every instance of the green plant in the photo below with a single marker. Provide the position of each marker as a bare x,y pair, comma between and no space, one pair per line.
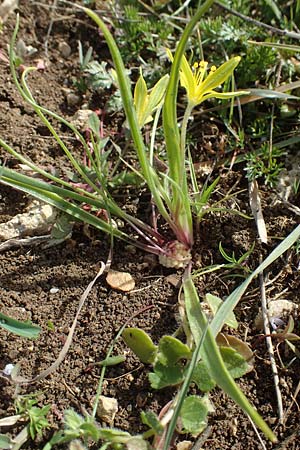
98,77
234,263
35,418
25,406
140,34
265,164
170,192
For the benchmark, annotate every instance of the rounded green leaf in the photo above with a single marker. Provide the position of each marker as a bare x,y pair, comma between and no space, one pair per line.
234,362
171,350
194,413
141,344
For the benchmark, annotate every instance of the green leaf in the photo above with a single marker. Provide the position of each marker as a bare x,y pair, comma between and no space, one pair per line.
164,376
90,430
235,363
24,329
113,435
233,299
150,418
269,93
141,344
5,442
157,94
62,228
72,420
212,357
202,377
112,360
171,350
94,123
214,303
194,413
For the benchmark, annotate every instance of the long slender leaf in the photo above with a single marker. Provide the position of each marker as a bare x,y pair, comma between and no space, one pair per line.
269,93
24,329
290,47
228,306
213,359
175,157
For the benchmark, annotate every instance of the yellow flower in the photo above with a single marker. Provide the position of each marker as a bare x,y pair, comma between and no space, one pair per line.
200,84
146,103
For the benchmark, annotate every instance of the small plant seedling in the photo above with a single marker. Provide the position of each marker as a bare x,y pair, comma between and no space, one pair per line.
237,263
265,164
35,418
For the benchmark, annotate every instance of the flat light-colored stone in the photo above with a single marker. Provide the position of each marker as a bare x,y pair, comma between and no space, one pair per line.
80,119
122,281
36,220
184,445
276,309
107,409
64,49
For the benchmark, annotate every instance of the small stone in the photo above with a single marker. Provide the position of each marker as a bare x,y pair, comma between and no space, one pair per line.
107,408
36,220
73,99
54,290
8,369
122,281
277,309
174,280
80,119
184,445
64,49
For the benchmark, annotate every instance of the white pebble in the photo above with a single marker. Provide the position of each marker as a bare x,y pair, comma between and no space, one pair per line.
54,290
8,369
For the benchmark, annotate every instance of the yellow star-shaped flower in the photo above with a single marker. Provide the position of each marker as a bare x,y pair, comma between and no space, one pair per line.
200,84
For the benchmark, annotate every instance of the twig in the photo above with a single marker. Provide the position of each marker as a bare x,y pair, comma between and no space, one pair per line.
257,434
270,344
273,30
202,439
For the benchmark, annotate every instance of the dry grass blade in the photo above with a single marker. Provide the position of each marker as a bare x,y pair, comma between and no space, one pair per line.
269,343
255,205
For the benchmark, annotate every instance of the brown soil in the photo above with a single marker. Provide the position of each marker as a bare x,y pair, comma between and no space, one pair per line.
27,276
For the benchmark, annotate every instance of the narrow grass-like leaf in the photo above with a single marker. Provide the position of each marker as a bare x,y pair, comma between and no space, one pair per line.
176,159
279,46
24,329
183,391
270,93
112,360
230,303
210,353
128,104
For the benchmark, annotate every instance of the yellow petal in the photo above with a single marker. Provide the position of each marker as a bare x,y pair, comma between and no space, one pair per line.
217,77
140,99
187,78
